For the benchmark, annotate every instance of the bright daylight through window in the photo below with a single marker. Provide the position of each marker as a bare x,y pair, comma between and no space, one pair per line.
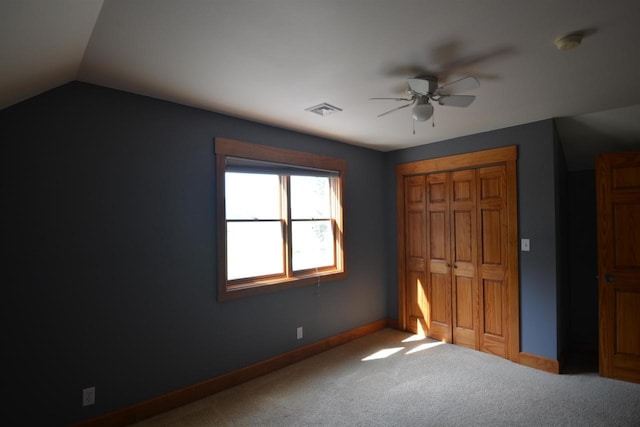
279,218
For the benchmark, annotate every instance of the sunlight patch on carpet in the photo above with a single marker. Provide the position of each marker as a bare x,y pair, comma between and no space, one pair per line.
383,354
413,338
424,346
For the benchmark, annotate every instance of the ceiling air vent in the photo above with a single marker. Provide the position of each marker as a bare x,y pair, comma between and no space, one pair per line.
323,109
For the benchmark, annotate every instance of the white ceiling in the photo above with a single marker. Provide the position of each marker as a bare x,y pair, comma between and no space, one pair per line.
268,61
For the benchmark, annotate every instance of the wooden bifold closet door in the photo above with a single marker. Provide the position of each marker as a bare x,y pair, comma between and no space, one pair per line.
455,273
451,250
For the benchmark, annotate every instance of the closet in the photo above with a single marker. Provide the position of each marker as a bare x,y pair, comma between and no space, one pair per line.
457,240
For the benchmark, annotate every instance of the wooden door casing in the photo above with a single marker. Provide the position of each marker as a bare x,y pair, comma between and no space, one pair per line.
618,204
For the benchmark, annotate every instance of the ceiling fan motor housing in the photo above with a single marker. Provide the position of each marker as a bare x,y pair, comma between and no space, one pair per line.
423,85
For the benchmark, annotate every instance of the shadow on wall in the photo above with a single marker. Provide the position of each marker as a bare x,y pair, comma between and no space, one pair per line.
583,137
583,262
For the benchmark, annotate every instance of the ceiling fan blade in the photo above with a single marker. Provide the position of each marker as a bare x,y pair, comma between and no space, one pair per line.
456,100
394,99
458,86
399,108
401,89
469,61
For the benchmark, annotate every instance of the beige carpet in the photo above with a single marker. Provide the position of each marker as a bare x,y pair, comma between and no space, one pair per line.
390,378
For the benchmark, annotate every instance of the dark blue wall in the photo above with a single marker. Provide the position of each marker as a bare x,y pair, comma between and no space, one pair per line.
562,241
583,262
108,206
109,219
536,221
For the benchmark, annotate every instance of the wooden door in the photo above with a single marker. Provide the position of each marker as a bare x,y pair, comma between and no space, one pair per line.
451,256
493,264
464,286
618,198
439,319
446,301
458,250
415,232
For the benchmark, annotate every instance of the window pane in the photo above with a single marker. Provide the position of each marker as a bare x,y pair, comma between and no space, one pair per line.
312,244
252,196
310,197
254,249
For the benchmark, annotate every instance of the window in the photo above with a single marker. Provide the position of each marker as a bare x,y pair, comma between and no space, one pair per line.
279,218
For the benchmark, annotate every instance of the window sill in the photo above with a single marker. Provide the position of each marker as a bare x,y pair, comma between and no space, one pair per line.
233,291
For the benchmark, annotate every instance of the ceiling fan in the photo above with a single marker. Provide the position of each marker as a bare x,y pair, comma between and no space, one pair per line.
423,90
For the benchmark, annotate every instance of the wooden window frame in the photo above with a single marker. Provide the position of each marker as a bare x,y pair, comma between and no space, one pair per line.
230,289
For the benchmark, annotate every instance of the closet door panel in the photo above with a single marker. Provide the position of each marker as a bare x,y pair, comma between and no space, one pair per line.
438,236
493,297
462,225
439,292
464,312
491,223
417,290
464,303
438,253
415,232
464,257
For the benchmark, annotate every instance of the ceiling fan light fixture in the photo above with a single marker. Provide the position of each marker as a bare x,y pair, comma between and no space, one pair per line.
568,42
422,112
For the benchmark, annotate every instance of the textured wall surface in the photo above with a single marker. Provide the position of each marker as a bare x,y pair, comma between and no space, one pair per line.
109,207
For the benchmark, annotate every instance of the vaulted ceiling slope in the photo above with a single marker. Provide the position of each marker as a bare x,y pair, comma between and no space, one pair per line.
269,61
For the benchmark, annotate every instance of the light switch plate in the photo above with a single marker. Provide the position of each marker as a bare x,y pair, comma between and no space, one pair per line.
525,245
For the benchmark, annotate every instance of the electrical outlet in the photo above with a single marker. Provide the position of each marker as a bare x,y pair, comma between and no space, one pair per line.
299,332
88,396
